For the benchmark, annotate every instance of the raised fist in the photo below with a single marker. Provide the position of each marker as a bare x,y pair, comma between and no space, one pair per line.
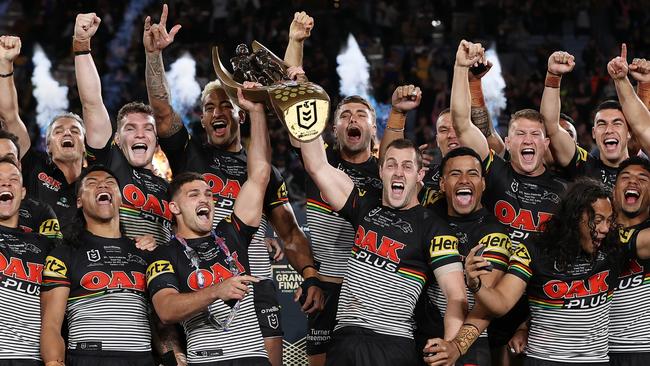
617,67
640,70
469,54
560,63
9,48
155,37
480,71
406,98
86,25
246,104
301,27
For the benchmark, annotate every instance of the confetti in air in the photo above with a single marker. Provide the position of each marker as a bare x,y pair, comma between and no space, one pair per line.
184,88
51,97
493,87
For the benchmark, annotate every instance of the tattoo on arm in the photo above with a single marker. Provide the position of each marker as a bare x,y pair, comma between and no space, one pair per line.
481,119
466,336
158,90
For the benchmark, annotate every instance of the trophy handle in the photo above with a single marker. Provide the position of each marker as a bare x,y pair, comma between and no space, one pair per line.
230,85
258,46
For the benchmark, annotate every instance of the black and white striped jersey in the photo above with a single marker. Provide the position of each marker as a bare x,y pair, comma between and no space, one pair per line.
107,307
22,258
479,227
629,321
170,267
569,309
393,257
145,200
226,173
331,235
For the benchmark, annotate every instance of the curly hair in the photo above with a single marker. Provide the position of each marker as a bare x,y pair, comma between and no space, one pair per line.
560,237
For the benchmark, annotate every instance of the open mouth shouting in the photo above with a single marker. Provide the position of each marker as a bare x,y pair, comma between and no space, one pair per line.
67,142
220,127
203,214
610,144
631,196
464,196
6,198
396,189
453,144
354,134
104,198
139,148
528,155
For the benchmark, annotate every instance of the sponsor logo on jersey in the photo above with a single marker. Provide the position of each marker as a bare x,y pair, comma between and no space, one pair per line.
217,273
157,268
496,242
50,228
388,248
99,280
632,276
49,182
522,219
55,267
522,255
15,268
579,293
229,189
146,203
443,245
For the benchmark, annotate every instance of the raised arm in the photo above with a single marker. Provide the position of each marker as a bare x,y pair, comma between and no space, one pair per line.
480,115
469,135
563,146
156,38
405,98
53,304
9,50
249,209
95,115
640,71
299,31
636,113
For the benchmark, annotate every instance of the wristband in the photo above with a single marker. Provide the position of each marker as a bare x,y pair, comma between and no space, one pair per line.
396,120
552,80
80,45
474,289
6,75
643,91
302,271
466,336
305,285
79,53
476,92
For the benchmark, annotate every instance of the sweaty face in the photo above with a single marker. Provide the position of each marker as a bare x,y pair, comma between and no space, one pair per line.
11,190
354,128
611,134
66,142
527,145
193,208
603,216
445,134
463,185
9,150
631,191
400,176
137,139
220,120
99,197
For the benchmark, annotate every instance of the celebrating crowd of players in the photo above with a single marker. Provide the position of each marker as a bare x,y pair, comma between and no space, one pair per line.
526,245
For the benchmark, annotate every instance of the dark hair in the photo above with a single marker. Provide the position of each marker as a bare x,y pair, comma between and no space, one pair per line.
461,151
529,114
355,99
90,169
609,104
634,161
132,107
4,134
182,179
566,117
402,144
8,160
560,238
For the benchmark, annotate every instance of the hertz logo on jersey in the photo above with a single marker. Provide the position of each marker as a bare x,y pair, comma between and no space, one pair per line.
157,268
443,245
50,228
496,242
55,267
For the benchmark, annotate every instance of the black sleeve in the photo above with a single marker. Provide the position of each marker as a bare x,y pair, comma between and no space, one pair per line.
357,201
175,148
29,164
276,191
162,271
231,227
48,223
100,156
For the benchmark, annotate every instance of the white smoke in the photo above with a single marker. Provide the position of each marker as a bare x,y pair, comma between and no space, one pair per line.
353,70
51,98
493,86
183,86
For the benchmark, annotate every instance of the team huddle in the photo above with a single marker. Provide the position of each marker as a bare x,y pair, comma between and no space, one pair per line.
522,249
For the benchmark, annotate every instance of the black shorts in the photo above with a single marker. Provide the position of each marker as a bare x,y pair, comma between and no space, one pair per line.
21,362
502,329
352,346
530,361
248,361
477,355
267,308
321,324
75,357
629,358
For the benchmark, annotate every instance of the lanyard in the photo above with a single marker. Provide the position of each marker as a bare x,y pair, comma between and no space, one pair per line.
195,259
